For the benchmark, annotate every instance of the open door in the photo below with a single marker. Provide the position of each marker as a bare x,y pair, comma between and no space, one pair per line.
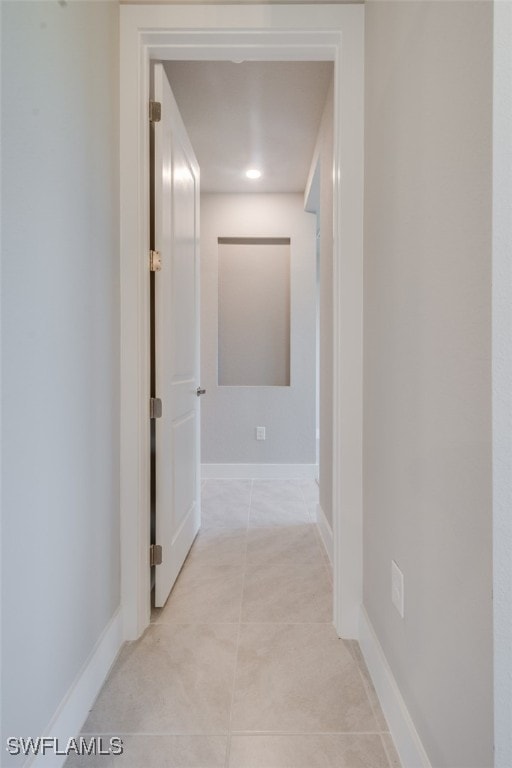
176,339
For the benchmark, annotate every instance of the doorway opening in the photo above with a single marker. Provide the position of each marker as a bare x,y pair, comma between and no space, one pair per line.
322,33
260,237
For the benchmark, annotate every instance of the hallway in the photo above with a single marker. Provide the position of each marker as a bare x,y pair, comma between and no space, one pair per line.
242,667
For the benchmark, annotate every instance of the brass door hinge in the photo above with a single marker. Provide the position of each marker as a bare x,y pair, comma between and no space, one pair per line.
155,111
155,261
155,408
155,554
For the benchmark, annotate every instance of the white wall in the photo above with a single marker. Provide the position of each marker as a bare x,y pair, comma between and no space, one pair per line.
427,399
230,414
60,350
325,150
502,378
319,198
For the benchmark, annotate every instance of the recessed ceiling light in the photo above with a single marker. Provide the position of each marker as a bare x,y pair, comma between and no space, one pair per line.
253,173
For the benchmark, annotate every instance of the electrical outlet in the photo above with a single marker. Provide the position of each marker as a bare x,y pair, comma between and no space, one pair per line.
397,588
260,433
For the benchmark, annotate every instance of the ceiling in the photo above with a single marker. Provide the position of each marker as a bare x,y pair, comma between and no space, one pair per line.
263,115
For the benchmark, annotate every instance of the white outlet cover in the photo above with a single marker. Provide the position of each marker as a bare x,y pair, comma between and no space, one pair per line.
260,433
397,588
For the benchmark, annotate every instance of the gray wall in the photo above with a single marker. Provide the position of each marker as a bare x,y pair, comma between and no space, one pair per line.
60,349
325,149
254,313
427,398
230,414
502,376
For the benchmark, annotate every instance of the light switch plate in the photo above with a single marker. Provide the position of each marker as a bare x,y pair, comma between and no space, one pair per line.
260,433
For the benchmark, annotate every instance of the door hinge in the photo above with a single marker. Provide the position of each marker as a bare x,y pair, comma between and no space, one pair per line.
155,261
155,111
155,408
155,554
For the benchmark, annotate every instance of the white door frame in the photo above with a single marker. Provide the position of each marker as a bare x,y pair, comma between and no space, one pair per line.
256,32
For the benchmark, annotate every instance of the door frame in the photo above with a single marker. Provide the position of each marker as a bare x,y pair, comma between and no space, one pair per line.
266,33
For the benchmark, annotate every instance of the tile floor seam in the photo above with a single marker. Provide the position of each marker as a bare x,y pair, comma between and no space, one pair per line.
367,691
388,757
195,623
244,571
323,554
194,735
151,734
288,623
305,503
309,733
370,698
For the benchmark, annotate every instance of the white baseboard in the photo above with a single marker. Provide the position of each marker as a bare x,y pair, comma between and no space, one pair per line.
325,532
258,471
74,708
407,741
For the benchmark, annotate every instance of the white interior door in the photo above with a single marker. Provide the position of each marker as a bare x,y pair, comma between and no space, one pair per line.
176,201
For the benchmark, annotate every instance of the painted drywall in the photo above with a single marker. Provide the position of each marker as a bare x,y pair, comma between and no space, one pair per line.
60,350
502,376
319,199
325,147
230,415
254,345
427,364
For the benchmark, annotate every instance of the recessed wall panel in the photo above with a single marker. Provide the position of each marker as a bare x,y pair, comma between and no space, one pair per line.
254,312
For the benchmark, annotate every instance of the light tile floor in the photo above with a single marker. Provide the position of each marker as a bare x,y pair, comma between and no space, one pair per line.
242,668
